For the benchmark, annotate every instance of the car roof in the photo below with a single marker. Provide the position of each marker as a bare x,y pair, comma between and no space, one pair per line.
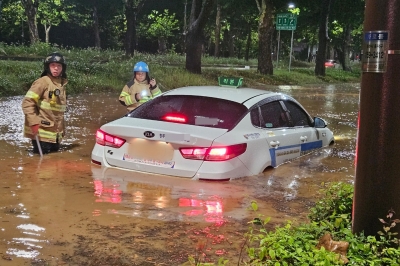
239,95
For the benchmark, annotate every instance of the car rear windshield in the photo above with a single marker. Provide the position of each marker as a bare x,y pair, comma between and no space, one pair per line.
192,110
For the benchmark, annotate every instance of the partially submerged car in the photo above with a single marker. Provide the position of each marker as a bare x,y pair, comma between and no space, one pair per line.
210,132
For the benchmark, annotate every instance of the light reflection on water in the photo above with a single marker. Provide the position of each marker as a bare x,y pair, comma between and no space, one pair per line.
28,246
37,196
170,199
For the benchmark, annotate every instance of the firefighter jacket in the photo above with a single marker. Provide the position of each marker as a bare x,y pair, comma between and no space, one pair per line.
45,104
127,96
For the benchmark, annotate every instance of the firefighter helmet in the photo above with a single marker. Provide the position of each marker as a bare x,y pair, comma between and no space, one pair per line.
54,58
141,67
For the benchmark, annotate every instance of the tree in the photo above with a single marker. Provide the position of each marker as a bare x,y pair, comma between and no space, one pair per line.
96,26
95,14
323,37
31,7
11,21
132,8
199,14
307,25
217,30
265,33
346,20
159,26
50,13
236,21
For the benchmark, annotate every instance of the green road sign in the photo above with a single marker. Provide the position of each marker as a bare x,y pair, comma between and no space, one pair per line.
286,21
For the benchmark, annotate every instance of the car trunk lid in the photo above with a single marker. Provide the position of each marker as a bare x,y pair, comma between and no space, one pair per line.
153,146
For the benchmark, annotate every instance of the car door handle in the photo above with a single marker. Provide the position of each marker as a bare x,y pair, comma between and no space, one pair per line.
303,138
274,144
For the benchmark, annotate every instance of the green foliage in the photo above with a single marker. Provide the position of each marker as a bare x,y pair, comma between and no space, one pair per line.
387,226
51,13
296,245
192,261
335,207
93,70
159,25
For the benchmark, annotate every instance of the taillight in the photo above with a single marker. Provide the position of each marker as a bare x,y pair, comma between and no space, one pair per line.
177,118
106,139
213,153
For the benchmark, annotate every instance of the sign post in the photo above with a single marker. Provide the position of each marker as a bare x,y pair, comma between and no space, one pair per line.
286,21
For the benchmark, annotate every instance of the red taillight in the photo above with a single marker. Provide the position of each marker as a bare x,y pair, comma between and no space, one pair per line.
177,118
213,153
96,162
105,139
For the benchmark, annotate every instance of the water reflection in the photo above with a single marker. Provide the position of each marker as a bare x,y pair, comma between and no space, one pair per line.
165,198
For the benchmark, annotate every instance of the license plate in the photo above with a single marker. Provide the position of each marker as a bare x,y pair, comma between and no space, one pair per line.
152,150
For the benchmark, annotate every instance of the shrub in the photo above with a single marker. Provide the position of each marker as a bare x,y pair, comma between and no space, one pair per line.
296,245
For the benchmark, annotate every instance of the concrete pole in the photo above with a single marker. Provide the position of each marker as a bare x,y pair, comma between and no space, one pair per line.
377,182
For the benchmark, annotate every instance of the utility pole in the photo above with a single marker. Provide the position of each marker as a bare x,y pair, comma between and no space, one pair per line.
377,181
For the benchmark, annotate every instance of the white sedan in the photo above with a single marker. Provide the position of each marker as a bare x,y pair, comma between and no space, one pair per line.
211,133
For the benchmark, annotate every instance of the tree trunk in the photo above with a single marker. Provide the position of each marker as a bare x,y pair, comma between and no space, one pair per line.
200,11
248,44
96,27
265,30
162,45
231,43
130,36
322,37
0,8
30,8
47,30
217,31
194,50
346,48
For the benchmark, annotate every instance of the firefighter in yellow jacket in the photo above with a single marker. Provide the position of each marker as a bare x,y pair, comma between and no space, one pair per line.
44,105
140,89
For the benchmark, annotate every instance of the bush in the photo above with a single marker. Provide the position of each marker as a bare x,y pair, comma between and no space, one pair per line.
296,245
108,70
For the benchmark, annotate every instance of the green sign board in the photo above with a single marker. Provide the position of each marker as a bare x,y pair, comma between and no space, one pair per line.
230,82
286,21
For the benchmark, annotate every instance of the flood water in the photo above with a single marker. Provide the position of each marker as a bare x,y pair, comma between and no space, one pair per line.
62,210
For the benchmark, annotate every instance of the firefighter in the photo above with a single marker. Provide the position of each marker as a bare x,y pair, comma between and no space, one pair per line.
140,89
44,105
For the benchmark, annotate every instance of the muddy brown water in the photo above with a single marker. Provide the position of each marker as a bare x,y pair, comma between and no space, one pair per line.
62,210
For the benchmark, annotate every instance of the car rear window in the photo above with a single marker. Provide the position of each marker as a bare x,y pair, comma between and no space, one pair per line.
194,110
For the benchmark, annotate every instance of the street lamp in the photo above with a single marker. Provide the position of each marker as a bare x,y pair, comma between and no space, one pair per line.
291,5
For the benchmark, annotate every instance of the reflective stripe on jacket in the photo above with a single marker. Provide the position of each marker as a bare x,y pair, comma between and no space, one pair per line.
127,96
42,106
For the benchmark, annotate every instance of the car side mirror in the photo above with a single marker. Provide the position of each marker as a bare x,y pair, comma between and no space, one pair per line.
319,122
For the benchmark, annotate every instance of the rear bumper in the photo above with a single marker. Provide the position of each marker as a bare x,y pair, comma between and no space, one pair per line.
98,155
224,170
210,170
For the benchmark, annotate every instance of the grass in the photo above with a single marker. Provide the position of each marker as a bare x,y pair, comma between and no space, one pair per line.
93,70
